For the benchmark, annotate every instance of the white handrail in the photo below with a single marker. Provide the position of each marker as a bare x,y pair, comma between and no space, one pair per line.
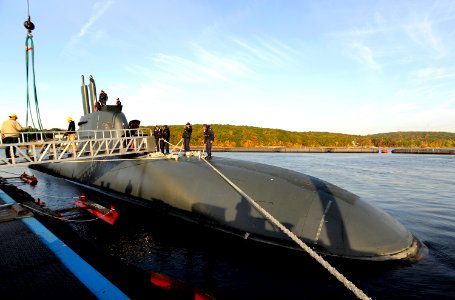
50,146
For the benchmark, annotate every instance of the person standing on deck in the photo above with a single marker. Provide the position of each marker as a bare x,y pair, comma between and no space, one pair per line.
209,137
118,103
186,135
10,133
157,132
103,98
165,140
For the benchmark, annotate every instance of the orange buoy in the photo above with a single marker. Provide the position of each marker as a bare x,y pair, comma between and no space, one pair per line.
170,284
105,214
31,179
384,151
161,281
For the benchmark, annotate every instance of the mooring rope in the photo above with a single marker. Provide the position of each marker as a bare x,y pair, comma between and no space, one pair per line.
358,292
174,147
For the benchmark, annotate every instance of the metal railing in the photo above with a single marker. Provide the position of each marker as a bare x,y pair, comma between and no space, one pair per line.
54,146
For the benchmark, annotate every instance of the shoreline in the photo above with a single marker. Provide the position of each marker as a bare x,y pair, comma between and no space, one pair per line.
445,151
292,150
424,151
279,149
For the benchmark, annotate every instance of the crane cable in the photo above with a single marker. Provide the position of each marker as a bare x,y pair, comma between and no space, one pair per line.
29,47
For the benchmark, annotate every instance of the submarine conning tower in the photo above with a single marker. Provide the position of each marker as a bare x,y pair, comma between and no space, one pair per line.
108,117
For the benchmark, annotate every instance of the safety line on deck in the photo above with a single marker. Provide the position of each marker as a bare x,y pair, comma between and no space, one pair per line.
348,284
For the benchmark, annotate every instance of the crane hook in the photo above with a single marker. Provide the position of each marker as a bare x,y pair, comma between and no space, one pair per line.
29,26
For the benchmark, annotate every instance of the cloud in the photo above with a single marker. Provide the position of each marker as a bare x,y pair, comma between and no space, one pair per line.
422,33
267,50
224,64
434,73
365,54
379,18
237,60
99,9
186,70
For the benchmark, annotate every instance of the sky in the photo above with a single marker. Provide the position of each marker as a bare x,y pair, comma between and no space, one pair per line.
354,67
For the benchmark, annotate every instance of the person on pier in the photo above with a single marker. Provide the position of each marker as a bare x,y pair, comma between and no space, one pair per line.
10,133
71,133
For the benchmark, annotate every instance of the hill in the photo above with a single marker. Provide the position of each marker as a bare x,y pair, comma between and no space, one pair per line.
248,136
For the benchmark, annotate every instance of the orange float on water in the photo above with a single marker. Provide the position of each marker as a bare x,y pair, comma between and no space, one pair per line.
170,284
29,178
105,214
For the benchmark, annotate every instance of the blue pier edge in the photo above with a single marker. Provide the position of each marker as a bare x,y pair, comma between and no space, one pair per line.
91,278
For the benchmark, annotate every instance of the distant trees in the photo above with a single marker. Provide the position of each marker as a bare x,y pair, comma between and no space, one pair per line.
415,139
248,136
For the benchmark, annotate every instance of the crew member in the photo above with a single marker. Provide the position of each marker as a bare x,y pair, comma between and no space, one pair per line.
157,132
10,133
165,140
118,103
186,135
209,137
103,98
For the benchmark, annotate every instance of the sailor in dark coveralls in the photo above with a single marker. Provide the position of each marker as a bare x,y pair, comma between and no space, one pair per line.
186,135
103,98
157,132
209,137
165,140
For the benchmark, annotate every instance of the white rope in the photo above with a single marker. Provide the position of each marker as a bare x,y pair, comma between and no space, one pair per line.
358,292
176,146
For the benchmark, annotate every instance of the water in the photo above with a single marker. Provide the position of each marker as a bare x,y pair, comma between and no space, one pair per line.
418,190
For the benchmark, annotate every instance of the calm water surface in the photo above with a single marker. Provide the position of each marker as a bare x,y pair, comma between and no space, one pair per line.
418,190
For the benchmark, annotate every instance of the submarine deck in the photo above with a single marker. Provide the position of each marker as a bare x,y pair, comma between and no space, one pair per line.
34,263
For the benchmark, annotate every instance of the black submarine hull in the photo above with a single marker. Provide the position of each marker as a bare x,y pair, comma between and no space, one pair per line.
328,218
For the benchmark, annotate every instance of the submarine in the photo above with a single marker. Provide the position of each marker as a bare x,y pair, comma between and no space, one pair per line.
328,218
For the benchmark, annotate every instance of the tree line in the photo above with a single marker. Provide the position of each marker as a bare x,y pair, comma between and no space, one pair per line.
248,136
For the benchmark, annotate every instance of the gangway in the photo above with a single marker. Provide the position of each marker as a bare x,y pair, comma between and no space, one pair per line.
52,146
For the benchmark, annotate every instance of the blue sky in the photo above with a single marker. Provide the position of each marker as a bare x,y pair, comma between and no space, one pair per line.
356,67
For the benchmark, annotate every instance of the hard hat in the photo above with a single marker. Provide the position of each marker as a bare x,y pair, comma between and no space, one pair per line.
12,115
69,119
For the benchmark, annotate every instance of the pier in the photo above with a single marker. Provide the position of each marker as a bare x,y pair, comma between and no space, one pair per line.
424,151
34,263
44,258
